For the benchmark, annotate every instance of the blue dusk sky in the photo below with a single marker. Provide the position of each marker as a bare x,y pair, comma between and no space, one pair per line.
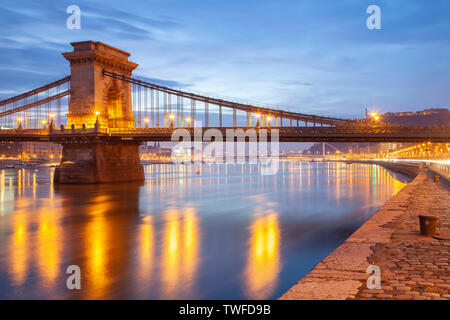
314,56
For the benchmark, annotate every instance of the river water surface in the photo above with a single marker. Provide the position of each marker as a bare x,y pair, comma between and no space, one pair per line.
214,232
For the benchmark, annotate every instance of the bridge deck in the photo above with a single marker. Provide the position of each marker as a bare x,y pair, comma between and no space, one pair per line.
285,134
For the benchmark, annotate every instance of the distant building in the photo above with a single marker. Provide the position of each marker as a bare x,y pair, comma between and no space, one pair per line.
42,150
10,149
427,117
182,152
389,146
155,150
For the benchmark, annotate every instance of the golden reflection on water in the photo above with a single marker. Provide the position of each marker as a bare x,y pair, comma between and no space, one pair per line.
19,183
171,252
398,185
97,237
180,251
34,185
146,248
190,244
49,245
19,249
263,265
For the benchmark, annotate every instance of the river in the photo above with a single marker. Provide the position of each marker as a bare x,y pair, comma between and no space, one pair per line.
208,232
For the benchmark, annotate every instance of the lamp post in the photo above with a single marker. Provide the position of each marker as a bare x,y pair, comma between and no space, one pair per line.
97,123
171,117
20,119
257,116
146,123
52,125
188,120
375,116
269,118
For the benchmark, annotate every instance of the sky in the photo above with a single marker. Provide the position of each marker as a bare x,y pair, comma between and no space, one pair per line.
315,56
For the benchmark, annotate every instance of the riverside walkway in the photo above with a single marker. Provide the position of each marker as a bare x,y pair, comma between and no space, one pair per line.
412,266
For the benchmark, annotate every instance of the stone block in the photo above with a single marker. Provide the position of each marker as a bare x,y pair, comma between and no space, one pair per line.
99,162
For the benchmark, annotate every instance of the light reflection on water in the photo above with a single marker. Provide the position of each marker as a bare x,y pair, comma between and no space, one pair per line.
186,232
263,263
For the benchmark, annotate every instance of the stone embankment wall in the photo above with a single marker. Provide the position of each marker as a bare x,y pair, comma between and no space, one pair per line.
408,169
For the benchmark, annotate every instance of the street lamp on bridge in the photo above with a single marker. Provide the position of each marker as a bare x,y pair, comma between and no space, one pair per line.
97,123
257,116
375,116
171,117
52,125
188,120
20,119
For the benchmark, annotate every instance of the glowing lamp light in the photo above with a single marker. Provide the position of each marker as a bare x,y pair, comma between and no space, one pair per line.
171,117
188,119
97,113
52,115
146,120
257,116
377,118
20,119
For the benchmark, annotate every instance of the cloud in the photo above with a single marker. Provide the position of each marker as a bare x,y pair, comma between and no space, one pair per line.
130,18
29,68
296,83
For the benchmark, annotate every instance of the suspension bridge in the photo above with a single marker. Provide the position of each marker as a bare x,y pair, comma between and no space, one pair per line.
100,114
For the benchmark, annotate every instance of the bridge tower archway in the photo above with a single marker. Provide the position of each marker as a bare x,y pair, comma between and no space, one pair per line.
115,103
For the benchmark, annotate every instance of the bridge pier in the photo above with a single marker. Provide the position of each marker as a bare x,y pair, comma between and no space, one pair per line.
99,161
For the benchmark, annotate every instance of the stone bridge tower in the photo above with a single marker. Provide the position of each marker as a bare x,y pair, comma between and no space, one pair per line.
90,154
93,92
